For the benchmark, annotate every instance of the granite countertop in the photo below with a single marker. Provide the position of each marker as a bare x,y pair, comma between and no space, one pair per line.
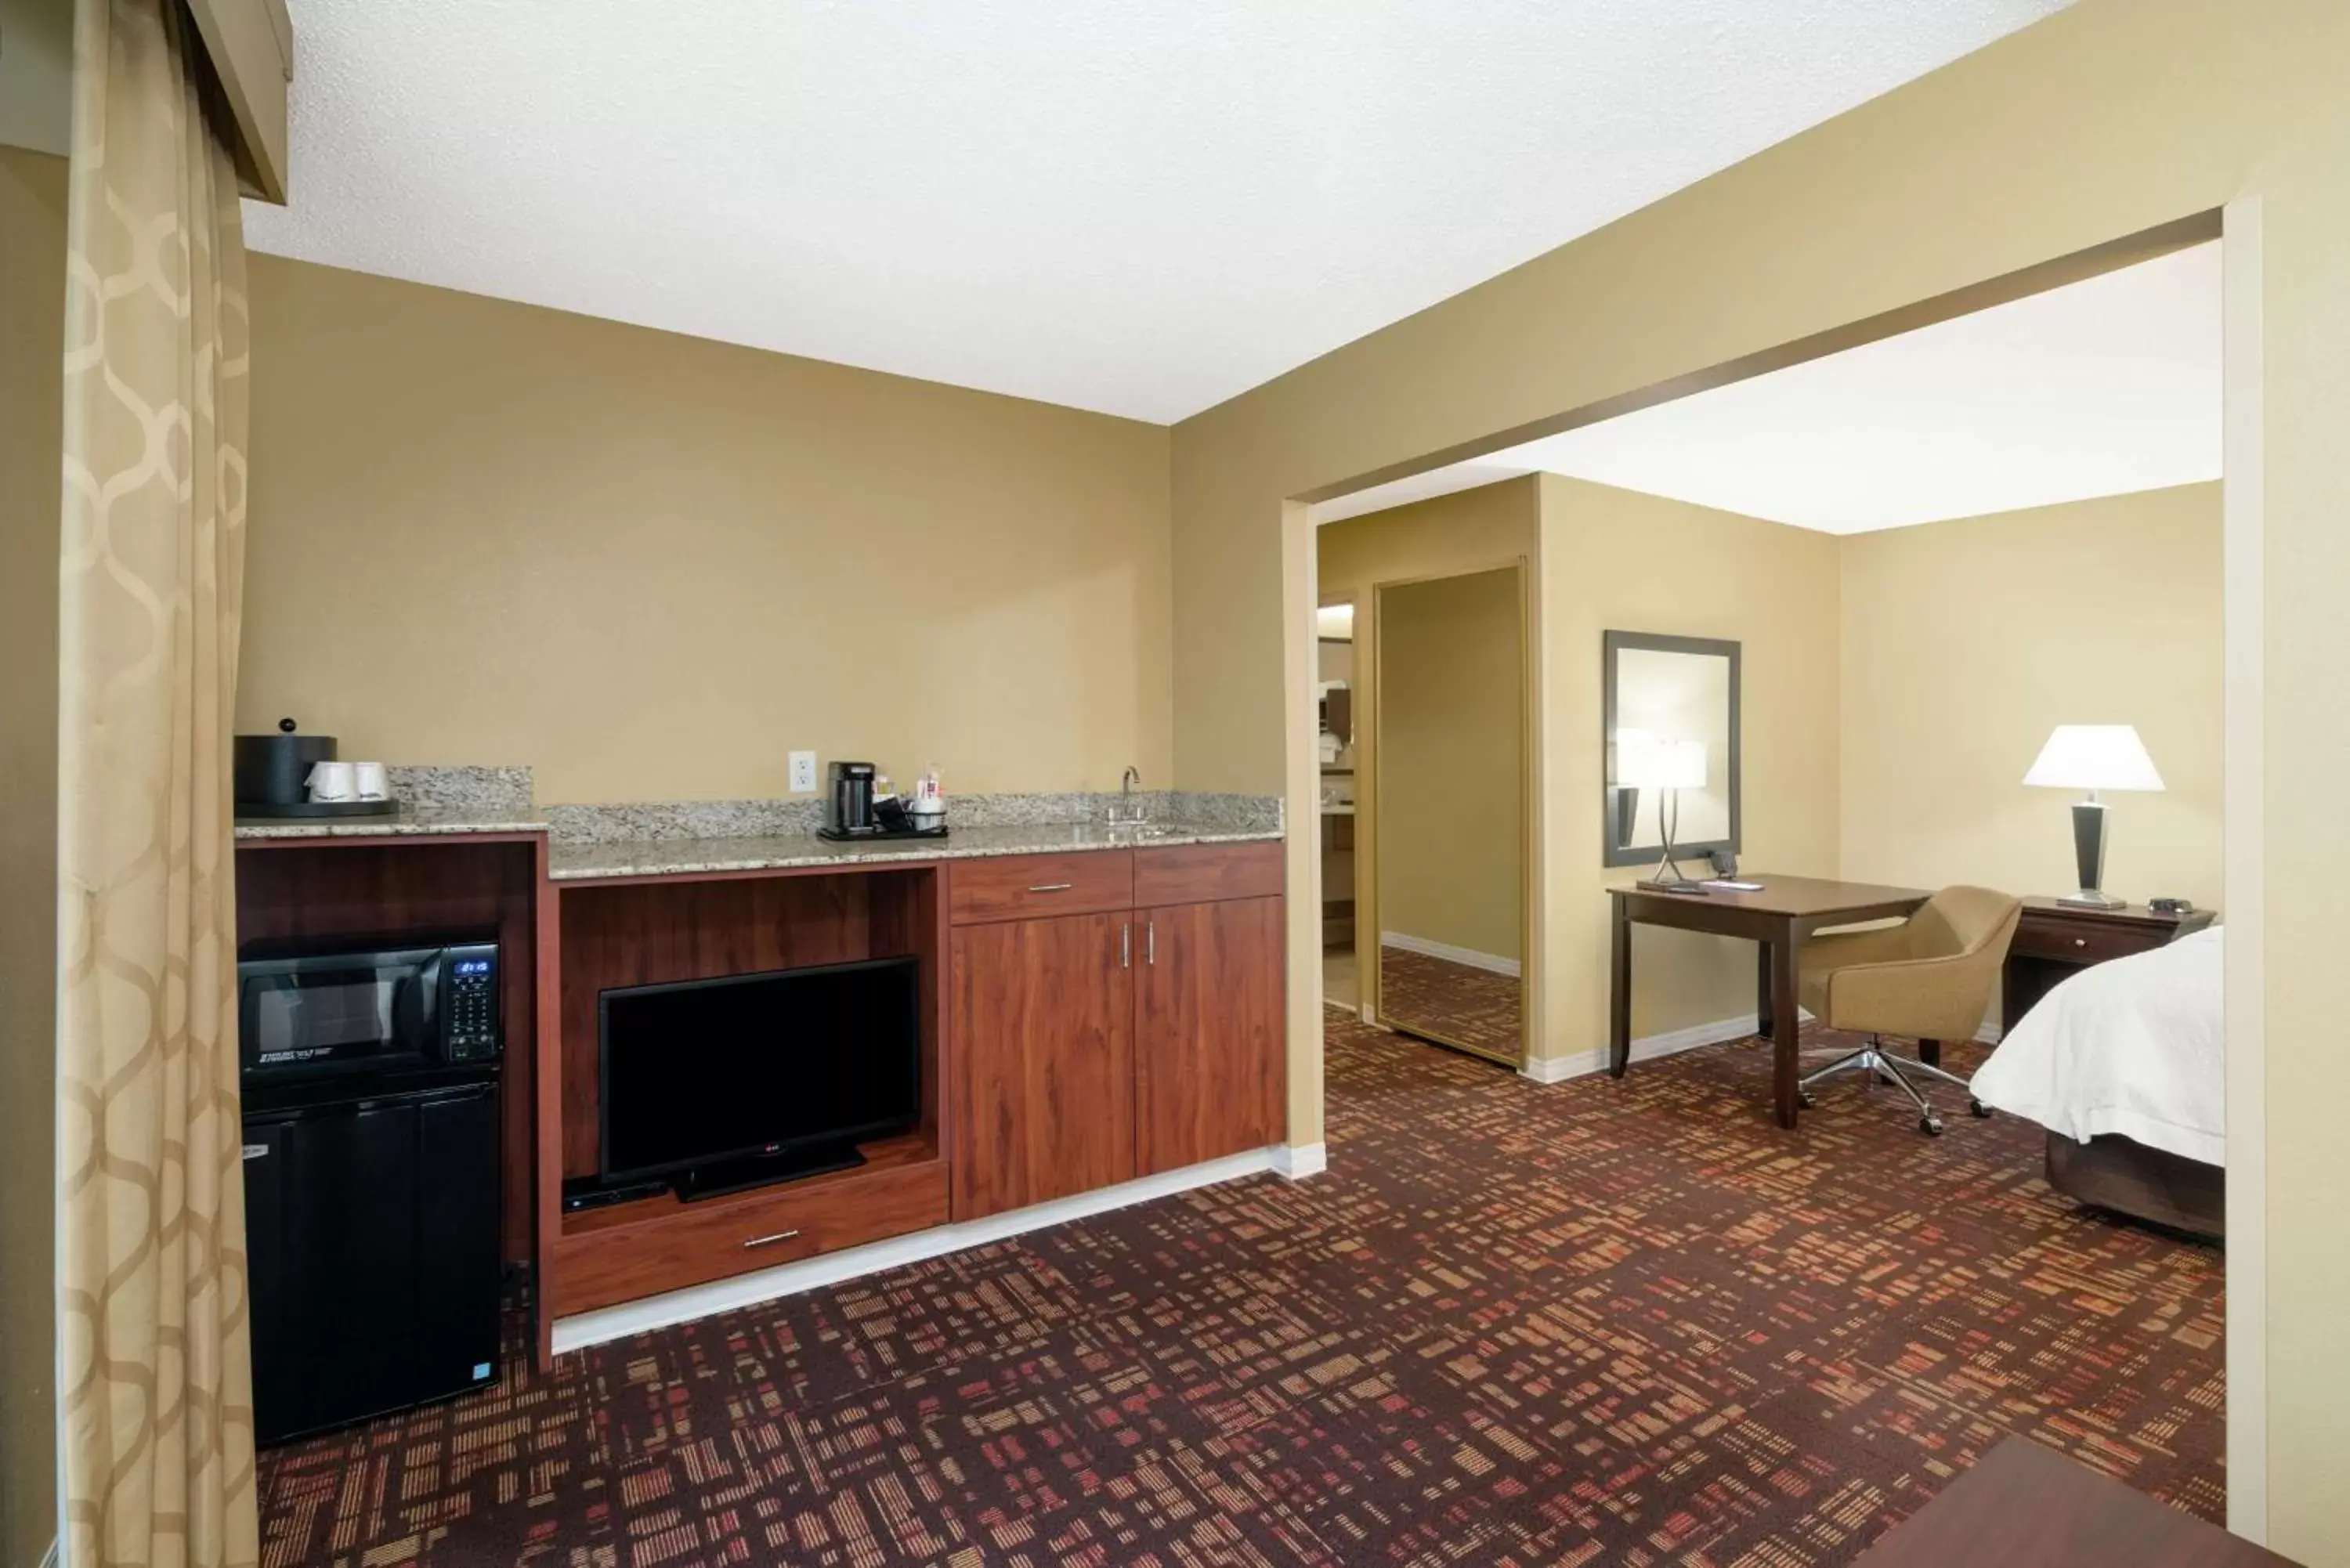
408,821
675,856
662,838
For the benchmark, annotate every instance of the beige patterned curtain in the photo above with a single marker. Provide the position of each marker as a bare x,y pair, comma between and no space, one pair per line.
155,1384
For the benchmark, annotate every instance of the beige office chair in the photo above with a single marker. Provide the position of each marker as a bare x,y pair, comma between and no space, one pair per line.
1931,977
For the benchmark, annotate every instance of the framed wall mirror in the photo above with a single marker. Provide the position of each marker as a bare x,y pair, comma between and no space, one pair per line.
1669,711
1449,846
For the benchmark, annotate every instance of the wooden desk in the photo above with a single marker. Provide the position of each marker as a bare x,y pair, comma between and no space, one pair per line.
2025,1506
1778,918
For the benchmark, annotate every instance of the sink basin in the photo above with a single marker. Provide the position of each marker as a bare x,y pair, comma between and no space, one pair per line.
1147,830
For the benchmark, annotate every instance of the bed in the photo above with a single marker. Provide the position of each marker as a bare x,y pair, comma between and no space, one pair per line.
2124,1065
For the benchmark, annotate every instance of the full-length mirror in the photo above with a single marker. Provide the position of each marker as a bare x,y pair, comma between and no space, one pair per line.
1670,717
1450,753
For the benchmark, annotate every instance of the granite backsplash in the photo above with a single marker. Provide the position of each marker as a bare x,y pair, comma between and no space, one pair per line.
489,789
752,818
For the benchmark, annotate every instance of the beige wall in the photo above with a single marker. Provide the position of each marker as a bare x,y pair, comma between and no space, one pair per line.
1606,559
36,75
32,414
649,565
2108,119
1615,560
1966,642
1451,762
1896,685
1466,531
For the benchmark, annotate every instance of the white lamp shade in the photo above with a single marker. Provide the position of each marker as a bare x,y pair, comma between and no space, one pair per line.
2094,756
1644,762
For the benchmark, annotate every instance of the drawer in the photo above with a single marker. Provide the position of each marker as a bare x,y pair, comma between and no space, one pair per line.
681,1244
2083,941
1200,873
1021,886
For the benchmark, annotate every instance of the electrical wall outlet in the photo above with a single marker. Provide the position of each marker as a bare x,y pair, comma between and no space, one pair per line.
803,773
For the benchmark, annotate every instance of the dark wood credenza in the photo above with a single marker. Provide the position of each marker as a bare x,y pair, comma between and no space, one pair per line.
1087,1018
2055,941
2025,1506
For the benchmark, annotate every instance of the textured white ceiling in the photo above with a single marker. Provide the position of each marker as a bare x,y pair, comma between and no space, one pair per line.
1137,206
2102,388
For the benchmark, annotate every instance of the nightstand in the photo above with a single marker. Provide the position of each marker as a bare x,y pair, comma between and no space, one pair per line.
2053,941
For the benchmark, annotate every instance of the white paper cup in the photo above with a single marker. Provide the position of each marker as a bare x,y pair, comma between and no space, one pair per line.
368,781
332,782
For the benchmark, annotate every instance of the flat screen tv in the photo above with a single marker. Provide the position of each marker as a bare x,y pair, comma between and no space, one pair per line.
718,1084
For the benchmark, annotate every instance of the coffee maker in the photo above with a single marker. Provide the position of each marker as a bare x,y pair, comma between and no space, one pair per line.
848,807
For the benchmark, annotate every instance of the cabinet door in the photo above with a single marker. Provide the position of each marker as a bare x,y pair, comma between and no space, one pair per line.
1211,1071
1044,1020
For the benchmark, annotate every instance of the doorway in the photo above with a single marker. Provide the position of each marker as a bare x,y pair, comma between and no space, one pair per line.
1336,753
2245,1371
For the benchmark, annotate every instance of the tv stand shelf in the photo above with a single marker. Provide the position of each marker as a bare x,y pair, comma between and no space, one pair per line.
1088,1016
700,926
654,1244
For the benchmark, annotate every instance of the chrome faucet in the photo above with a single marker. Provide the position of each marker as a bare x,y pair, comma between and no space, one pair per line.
1126,811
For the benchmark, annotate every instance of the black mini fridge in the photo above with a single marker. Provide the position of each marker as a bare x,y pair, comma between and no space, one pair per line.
371,1228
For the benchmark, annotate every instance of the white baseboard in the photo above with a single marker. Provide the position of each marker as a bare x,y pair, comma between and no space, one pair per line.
1299,1160
583,1329
1647,1048
1450,954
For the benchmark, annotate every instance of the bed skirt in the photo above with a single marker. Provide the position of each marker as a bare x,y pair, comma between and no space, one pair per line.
2151,1184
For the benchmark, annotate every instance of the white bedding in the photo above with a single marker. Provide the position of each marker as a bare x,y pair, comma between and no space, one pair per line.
2132,1046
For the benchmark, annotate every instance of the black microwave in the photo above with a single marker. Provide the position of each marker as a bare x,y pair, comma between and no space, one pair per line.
304,1009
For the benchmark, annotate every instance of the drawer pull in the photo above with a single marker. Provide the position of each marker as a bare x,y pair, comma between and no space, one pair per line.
769,1240
2080,942
1052,886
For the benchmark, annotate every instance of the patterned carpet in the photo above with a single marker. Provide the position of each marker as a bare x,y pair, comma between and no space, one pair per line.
1458,1003
1595,1324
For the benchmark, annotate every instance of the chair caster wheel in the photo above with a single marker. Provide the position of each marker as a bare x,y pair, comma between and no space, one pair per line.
1931,1126
1981,1112
1804,1098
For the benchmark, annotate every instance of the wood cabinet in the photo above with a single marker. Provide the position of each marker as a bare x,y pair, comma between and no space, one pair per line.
1020,886
1210,1067
1085,1017
1094,1048
1044,1033
670,927
342,890
2053,941
607,1255
1194,873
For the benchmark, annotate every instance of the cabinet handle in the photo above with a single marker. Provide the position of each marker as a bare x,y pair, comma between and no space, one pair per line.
2080,942
1052,886
769,1240
1150,942
1126,945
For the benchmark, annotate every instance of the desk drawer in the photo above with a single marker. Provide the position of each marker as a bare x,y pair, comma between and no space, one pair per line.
691,1243
1201,873
2083,941
1033,887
